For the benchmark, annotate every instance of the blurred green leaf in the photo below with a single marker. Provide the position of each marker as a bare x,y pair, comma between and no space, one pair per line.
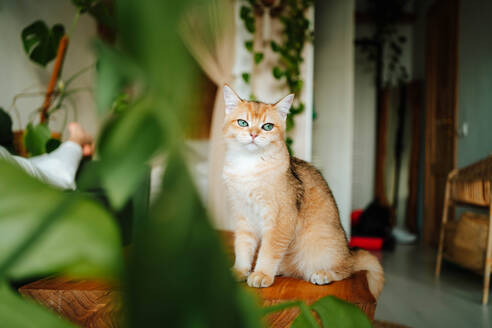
275,47
334,312
121,103
277,72
125,151
249,45
305,319
52,144
245,77
114,72
250,25
178,261
244,12
41,42
258,57
35,139
102,11
6,135
19,312
56,232
289,122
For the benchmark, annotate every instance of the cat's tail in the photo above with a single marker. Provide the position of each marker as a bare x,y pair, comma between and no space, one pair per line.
363,260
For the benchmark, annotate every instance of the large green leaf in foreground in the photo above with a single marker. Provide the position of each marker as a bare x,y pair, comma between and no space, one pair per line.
179,275
333,312
22,313
44,230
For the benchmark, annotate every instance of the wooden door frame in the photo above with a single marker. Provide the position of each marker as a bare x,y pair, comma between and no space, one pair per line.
431,223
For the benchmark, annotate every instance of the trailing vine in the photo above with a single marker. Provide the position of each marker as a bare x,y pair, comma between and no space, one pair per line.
386,16
296,33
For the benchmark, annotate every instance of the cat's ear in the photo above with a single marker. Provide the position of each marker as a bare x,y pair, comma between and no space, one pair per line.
283,105
231,99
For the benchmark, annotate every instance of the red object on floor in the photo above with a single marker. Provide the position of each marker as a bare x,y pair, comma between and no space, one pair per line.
355,216
369,243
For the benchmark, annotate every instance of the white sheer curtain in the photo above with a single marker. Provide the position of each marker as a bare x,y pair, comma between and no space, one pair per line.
209,32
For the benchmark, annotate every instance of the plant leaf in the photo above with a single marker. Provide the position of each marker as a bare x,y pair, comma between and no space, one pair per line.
6,135
84,241
35,139
249,45
335,312
258,57
40,42
52,144
22,313
122,167
245,77
305,319
277,72
177,246
114,71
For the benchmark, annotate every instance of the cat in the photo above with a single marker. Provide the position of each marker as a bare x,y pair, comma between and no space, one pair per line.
282,205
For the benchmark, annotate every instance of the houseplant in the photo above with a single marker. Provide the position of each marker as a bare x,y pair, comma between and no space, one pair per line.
44,44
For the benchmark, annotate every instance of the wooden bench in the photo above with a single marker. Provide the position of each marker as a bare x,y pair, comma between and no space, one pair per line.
96,304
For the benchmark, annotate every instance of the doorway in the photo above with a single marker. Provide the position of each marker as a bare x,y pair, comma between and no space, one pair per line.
441,106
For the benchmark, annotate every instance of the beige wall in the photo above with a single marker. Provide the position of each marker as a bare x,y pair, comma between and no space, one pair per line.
19,74
334,99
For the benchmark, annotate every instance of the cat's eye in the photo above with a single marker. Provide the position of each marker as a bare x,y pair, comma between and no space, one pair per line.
267,126
242,123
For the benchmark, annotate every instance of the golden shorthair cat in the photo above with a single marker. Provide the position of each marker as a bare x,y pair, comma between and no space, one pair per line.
282,204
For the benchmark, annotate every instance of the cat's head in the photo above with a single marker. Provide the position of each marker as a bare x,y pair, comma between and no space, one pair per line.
254,125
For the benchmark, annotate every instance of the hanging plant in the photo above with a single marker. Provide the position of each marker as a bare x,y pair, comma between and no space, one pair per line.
386,16
296,32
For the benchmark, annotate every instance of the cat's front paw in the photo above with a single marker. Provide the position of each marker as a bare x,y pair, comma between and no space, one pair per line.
240,274
259,279
321,278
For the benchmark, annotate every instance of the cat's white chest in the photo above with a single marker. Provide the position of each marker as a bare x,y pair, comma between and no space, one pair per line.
247,184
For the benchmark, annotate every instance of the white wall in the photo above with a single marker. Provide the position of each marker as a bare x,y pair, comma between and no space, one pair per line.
333,129
19,74
364,132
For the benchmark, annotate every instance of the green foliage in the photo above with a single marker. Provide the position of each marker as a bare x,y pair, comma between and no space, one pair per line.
114,72
296,33
41,42
102,11
249,45
6,135
258,57
52,144
56,232
120,103
333,312
246,14
182,238
35,138
386,15
21,313
246,77
277,72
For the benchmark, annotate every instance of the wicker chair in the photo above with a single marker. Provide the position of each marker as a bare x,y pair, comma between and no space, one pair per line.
470,185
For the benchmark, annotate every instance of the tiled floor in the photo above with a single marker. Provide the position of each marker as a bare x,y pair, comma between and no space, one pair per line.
412,296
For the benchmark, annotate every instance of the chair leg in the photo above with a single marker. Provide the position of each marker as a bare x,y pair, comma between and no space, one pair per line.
488,261
443,229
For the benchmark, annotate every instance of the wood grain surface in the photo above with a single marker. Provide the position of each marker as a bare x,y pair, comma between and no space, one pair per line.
96,304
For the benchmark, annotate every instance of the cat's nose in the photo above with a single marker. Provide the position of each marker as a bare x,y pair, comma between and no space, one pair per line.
253,135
